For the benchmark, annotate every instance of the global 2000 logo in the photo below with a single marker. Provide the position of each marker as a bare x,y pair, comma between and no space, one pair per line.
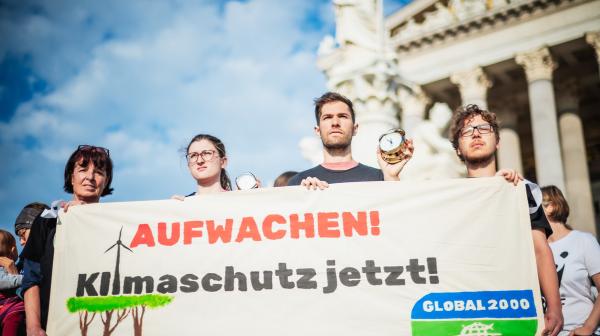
485,313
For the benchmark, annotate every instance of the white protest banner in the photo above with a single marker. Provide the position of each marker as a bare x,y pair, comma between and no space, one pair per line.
452,257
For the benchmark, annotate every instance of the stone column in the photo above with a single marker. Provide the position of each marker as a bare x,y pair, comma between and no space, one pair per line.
577,178
538,65
473,85
376,106
413,105
593,38
509,152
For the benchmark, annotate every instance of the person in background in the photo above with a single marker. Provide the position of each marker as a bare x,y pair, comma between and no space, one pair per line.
26,218
88,176
12,311
577,258
282,180
9,273
474,135
23,225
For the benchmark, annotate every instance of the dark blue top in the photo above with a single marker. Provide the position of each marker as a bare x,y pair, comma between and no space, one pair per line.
360,173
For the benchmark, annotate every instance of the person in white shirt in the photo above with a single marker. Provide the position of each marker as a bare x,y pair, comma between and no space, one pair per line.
577,259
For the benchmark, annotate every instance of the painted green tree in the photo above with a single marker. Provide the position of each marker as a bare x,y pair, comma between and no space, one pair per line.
114,309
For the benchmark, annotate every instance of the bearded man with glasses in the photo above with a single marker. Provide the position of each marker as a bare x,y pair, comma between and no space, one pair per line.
474,136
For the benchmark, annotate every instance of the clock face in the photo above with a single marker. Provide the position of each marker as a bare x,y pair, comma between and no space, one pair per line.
245,181
390,141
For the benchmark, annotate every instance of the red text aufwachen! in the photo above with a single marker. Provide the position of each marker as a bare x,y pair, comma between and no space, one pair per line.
269,227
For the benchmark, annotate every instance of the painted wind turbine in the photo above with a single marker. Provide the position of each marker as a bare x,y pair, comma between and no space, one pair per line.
116,289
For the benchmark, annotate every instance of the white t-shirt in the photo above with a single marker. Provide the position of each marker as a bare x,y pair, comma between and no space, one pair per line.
577,258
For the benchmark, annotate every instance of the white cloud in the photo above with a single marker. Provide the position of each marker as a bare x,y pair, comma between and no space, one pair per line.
244,72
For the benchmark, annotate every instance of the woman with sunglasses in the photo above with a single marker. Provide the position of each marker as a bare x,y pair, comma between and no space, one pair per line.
206,159
88,175
577,259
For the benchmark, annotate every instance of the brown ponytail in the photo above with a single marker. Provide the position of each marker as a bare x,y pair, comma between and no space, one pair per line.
225,181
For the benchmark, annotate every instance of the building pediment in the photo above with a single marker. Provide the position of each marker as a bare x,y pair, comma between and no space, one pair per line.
426,22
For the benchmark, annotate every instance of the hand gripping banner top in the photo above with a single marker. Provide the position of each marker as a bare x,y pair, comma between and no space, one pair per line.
447,257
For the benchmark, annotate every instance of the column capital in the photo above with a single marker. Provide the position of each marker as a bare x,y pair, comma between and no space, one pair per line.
538,64
593,38
472,83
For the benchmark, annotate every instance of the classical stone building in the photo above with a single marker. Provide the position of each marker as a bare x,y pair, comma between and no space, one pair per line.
533,62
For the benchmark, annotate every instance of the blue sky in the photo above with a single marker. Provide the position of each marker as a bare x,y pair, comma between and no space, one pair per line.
143,77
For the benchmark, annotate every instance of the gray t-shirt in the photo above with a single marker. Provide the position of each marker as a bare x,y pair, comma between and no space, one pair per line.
360,173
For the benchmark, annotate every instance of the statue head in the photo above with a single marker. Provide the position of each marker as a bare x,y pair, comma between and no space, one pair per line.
440,114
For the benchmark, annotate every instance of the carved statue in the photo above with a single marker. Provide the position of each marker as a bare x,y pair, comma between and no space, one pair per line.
360,43
476,7
434,156
465,9
413,101
499,4
327,46
410,29
364,67
356,23
439,18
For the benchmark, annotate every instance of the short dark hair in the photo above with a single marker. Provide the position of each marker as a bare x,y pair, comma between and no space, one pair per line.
330,97
99,156
560,207
283,179
467,112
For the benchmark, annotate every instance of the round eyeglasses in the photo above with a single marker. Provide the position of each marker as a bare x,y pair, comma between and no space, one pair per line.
206,156
93,149
482,129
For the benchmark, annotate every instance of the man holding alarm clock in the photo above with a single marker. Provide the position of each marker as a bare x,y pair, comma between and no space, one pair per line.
336,125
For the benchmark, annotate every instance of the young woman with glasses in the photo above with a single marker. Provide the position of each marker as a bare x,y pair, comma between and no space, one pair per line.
206,159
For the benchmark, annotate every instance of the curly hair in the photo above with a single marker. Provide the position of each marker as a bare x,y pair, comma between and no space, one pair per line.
464,113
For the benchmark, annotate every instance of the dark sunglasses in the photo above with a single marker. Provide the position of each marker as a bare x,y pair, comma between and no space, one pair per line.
94,149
